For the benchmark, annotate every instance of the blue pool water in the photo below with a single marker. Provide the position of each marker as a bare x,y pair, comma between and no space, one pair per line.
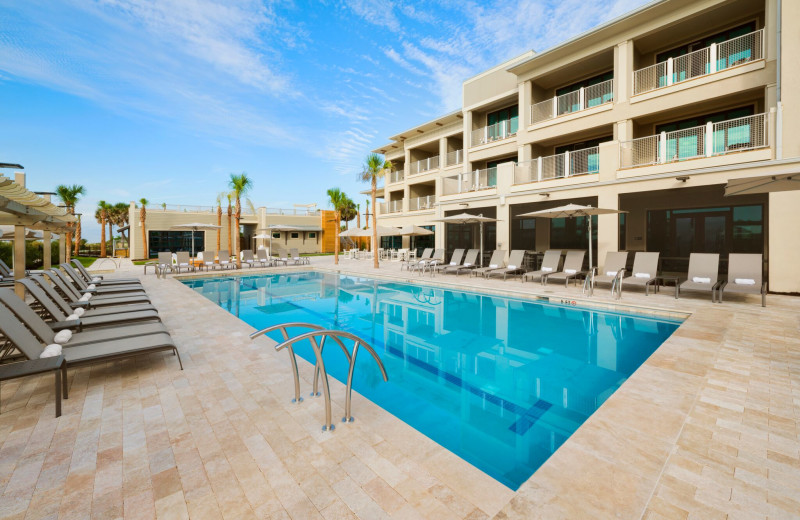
500,382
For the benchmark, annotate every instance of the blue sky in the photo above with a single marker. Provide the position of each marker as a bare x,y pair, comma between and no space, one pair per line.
164,98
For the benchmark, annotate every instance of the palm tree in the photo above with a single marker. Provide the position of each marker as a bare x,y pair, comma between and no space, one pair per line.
229,196
101,214
78,230
143,220
375,167
120,218
366,215
70,195
337,200
220,196
239,185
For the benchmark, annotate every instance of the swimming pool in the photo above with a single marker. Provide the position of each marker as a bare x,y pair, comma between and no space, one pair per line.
501,382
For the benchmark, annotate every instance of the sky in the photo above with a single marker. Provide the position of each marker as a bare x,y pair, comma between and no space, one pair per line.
164,99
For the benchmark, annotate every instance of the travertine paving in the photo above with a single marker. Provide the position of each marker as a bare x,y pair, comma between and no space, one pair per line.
706,428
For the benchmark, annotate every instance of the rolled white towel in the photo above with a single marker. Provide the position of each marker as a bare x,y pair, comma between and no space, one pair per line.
611,273
493,266
701,279
95,280
72,317
744,281
85,298
453,263
467,264
51,350
63,336
547,269
570,271
642,275
92,287
184,264
78,312
512,267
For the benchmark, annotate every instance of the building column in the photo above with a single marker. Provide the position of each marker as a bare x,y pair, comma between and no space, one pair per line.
607,227
784,241
442,152
524,105
62,247
406,197
623,71
19,259
47,236
467,140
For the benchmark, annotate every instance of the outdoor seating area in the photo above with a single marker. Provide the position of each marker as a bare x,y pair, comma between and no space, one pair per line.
182,262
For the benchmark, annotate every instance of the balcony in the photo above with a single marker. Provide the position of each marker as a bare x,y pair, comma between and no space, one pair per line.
496,132
425,165
421,203
708,60
471,181
559,166
392,206
395,176
711,139
581,99
454,158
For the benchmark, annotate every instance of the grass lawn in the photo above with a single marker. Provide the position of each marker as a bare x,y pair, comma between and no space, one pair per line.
85,260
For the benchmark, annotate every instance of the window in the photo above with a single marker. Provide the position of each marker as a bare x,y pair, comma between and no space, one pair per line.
572,233
572,103
499,131
491,167
623,232
174,241
523,233
422,242
581,163
276,234
391,242
691,144
312,234
294,235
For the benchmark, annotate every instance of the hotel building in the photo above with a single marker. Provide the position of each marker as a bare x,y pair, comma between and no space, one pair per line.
651,113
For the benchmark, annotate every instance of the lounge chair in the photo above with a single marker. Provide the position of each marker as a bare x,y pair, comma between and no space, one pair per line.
413,264
225,260
184,261
703,275
281,257
613,270
455,261
469,263
247,258
573,267
207,260
550,262
644,272
514,267
263,258
437,258
99,279
31,320
295,255
79,280
75,355
498,261
83,287
164,263
76,299
744,276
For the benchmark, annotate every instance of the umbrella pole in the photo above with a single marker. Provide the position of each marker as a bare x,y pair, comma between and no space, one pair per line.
480,260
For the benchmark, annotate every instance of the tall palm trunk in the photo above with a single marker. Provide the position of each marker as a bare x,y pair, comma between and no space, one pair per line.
238,219
68,242
77,236
374,184
337,217
230,239
111,236
143,221
219,223
102,236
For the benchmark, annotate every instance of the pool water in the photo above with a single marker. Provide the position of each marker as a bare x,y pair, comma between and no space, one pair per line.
501,382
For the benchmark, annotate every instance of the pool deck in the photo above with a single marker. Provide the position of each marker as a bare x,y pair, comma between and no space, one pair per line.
708,427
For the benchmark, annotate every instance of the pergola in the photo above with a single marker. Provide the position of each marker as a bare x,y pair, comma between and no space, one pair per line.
25,210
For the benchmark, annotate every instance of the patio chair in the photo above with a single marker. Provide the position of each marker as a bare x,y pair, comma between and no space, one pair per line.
76,299
295,255
703,275
184,261
98,279
744,276
550,263
76,355
83,287
281,257
644,272
514,267
469,263
437,258
263,258
206,260
247,258
164,264
613,271
39,283
498,261
573,267
426,255
225,260
455,261
79,281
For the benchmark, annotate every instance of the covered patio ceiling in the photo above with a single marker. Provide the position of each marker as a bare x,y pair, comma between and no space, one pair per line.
22,207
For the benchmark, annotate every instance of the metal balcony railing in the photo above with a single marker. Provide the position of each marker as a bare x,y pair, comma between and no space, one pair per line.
496,132
395,176
470,181
454,158
734,135
559,166
581,99
708,60
425,165
421,203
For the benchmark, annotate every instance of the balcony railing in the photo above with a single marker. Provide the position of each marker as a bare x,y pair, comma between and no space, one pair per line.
559,166
496,132
421,203
293,211
708,60
425,165
395,176
454,158
470,181
733,135
182,208
581,99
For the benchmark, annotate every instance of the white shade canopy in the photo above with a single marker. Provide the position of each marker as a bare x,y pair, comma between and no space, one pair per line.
382,232
764,184
262,235
465,218
196,226
414,231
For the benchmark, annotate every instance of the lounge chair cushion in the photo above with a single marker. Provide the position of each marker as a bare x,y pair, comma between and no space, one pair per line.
51,350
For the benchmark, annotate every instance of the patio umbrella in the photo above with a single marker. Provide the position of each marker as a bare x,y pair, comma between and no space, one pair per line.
195,226
414,231
382,232
765,184
265,236
574,210
468,218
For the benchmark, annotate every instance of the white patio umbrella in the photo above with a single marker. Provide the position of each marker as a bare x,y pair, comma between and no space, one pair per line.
574,210
195,226
468,218
265,236
764,184
382,232
414,231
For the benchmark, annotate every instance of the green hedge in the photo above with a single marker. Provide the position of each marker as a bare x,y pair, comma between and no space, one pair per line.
33,253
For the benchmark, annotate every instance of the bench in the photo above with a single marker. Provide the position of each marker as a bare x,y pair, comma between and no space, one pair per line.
33,367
